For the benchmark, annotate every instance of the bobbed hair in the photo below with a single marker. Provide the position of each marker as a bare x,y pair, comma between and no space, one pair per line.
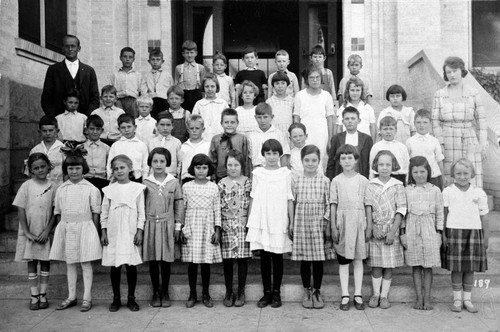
163,152
310,149
395,164
394,89
347,149
454,62
271,145
201,159
73,160
238,156
418,161
466,163
39,156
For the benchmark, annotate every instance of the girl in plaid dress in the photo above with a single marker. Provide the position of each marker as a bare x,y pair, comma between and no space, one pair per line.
387,201
465,238
348,222
270,216
201,231
424,224
164,218
235,198
310,228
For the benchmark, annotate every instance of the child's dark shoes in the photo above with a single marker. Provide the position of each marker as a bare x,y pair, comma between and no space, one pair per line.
276,299
86,306
228,299
165,300
115,305
131,304
307,301
345,304
240,300
35,305
191,301
44,303
317,300
207,301
156,301
67,303
266,300
358,302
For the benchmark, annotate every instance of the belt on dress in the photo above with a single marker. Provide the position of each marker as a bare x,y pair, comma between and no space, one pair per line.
157,217
458,124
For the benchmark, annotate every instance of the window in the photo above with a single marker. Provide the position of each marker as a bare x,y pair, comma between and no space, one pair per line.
43,22
486,33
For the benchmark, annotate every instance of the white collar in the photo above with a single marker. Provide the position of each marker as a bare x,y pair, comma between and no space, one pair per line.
66,112
162,184
147,118
422,136
206,101
392,182
133,139
69,63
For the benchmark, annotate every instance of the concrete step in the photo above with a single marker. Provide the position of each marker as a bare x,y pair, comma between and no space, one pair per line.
487,288
493,219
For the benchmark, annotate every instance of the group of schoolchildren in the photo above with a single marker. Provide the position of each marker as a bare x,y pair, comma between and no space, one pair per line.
207,183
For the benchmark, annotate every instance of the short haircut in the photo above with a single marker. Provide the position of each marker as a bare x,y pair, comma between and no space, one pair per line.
251,85
297,125
395,164
212,77
201,159
220,56
126,160
108,89
263,108
72,93
282,53
189,45
162,151
228,112
196,118
278,77
317,49
164,115
95,120
271,145
39,156
354,58
347,149
156,52
249,49
454,62
144,100
71,36
125,118
350,109
357,82
47,120
416,162
423,113
127,49
387,121
308,71
394,89
238,156
310,149
175,89
466,163
73,160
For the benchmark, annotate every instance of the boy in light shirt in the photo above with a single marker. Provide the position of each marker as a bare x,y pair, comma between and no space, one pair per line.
146,125
282,60
109,114
164,127
72,123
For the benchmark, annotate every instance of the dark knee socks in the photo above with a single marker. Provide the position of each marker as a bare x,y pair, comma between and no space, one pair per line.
131,280
154,272
317,272
165,276
115,280
205,277
193,275
265,270
242,273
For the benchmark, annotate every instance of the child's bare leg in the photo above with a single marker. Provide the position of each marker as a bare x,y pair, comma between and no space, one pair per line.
33,280
87,280
417,283
72,275
468,282
44,279
427,289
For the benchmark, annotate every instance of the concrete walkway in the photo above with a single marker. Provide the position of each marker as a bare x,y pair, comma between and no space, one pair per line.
15,316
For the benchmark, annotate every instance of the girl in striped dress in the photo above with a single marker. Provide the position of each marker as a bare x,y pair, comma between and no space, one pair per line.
310,227
348,222
424,222
465,238
77,208
235,199
386,197
202,225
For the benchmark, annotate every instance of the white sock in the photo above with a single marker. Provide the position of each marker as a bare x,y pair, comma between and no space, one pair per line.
344,279
376,282
386,284
457,296
87,280
358,276
467,296
72,276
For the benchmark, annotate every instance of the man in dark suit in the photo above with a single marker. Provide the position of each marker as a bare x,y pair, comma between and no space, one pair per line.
66,75
362,142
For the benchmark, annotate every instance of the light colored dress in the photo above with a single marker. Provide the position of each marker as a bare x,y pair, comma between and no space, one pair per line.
461,126
386,200
313,111
202,202
282,111
349,195
76,239
246,119
235,199
37,200
268,219
404,121
164,209
424,217
122,214
312,208
210,110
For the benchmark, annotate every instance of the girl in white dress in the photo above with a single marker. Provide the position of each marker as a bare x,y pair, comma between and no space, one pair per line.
77,208
270,216
122,222
314,108
35,208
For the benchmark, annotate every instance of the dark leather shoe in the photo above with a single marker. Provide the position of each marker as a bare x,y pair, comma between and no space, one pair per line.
191,301
266,300
131,304
43,304
276,301
207,301
155,301
115,305
165,300
67,303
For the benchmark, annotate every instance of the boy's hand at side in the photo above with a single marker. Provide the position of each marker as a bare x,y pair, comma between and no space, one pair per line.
138,237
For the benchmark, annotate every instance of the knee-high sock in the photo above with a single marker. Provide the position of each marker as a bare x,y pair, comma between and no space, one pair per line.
192,276
72,275
154,272
228,275
242,273
386,285
305,273
344,278
44,281
131,279
358,276
205,277
33,281
115,275
317,274
376,283
165,276
277,271
87,280
265,270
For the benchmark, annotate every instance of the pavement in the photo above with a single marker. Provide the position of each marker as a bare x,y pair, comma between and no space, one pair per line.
15,316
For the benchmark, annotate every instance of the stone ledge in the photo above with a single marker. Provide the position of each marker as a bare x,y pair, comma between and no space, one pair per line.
36,52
